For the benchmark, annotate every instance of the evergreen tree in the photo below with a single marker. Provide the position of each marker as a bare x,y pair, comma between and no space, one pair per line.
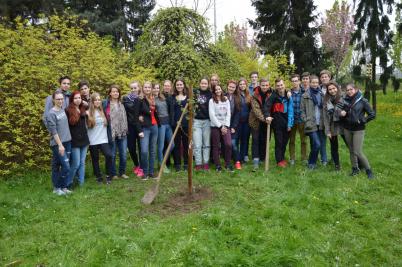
373,38
287,26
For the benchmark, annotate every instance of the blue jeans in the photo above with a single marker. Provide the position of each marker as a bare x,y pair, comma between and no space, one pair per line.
244,137
121,144
201,141
315,146
148,149
78,155
235,147
60,165
323,148
164,133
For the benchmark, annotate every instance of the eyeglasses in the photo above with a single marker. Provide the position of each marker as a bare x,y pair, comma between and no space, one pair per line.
58,99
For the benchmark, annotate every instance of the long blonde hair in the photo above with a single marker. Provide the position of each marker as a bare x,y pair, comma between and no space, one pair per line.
91,114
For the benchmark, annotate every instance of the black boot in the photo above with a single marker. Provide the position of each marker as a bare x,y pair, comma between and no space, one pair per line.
370,174
355,171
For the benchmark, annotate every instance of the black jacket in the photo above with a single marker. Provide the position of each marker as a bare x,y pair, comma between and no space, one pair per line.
79,132
356,108
130,107
144,110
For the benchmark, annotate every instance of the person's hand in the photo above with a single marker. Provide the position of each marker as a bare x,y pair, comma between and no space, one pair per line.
289,129
61,150
232,130
269,120
343,113
289,94
141,134
329,136
141,118
224,130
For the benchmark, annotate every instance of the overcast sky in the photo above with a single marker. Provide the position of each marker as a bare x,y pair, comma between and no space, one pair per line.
230,10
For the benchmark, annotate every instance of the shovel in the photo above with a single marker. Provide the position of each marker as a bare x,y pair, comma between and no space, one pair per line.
151,194
267,148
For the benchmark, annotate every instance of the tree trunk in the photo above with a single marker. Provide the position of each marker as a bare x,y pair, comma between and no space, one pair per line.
373,85
190,141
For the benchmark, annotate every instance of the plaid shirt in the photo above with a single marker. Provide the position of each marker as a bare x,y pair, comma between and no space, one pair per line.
296,97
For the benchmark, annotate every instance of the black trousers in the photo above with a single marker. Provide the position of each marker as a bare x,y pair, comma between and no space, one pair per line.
180,148
132,141
334,149
107,152
281,141
259,138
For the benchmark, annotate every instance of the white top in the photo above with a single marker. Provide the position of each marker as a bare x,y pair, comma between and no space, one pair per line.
98,134
219,113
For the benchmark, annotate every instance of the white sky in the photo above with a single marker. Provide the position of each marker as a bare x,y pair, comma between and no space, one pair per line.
230,10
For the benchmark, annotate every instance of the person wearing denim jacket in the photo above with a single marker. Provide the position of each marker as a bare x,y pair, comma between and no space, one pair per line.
117,129
202,126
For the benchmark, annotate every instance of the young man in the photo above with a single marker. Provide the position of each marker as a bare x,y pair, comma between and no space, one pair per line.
258,122
279,111
298,125
65,83
305,79
325,77
254,82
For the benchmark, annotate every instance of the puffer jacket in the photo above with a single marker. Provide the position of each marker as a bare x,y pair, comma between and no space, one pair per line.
356,108
308,114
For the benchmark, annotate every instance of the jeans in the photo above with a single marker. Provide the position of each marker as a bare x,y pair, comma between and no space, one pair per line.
315,145
60,165
355,141
132,141
235,147
323,148
180,141
299,127
244,137
78,155
201,141
107,152
216,135
281,141
164,133
148,149
121,145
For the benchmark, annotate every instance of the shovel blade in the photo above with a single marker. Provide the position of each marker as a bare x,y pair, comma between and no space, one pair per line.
150,195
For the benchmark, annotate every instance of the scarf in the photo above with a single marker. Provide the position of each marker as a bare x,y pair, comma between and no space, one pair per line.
131,96
315,94
118,120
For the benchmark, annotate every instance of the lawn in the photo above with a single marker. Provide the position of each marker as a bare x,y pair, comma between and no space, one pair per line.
290,217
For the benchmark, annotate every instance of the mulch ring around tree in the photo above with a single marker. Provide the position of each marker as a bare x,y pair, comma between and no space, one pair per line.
181,202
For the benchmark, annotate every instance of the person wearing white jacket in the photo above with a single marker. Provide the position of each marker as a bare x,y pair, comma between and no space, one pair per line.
219,114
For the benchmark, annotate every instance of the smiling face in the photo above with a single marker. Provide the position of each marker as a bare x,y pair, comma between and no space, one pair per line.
325,78
155,90
135,88
214,80
295,83
97,102
280,87
264,86
204,84
58,100
242,85
306,81
77,100
332,90
167,87
314,83
350,90
218,90
254,78
147,88
114,93
231,88
180,87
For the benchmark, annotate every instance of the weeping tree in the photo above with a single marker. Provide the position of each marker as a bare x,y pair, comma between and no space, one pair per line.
373,38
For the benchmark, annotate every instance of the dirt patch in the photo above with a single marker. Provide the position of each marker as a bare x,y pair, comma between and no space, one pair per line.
181,202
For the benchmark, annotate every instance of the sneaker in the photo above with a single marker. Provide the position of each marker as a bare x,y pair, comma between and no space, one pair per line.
311,166
292,162
115,177
238,165
370,174
206,167
144,177
229,168
58,192
255,167
66,191
140,173
355,171
177,168
246,159
124,176
108,182
166,170
136,169
337,168
198,167
185,167
218,168
282,164
324,163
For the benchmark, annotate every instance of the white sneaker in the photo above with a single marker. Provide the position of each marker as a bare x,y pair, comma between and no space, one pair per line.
292,162
246,159
58,192
66,191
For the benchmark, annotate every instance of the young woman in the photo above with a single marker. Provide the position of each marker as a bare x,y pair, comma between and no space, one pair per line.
331,119
258,122
244,128
98,138
60,143
202,126
214,80
234,97
131,102
311,113
148,131
181,139
76,114
219,114
165,113
353,112
117,129
279,110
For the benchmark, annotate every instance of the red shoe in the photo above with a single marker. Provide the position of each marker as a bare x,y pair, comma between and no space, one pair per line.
140,173
238,165
136,169
206,167
198,167
282,164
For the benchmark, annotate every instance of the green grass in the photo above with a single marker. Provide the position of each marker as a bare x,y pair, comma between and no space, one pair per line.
291,217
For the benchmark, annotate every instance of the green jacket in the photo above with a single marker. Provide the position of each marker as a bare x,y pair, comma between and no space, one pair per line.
308,114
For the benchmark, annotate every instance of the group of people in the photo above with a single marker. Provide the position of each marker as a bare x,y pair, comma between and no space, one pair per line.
224,118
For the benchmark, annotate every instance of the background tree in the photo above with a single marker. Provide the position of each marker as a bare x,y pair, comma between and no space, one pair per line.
336,33
289,27
396,53
373,37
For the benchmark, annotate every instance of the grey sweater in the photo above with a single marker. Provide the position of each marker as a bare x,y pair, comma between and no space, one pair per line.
57,123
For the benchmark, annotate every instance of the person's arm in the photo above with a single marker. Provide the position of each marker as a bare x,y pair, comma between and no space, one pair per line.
137,123
228,115
48,106
327,120
235,120
267,106
51,124
303,109
255,106
370,112
212,115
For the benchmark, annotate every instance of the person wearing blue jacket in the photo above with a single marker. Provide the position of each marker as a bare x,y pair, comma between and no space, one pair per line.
279,112
233,95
